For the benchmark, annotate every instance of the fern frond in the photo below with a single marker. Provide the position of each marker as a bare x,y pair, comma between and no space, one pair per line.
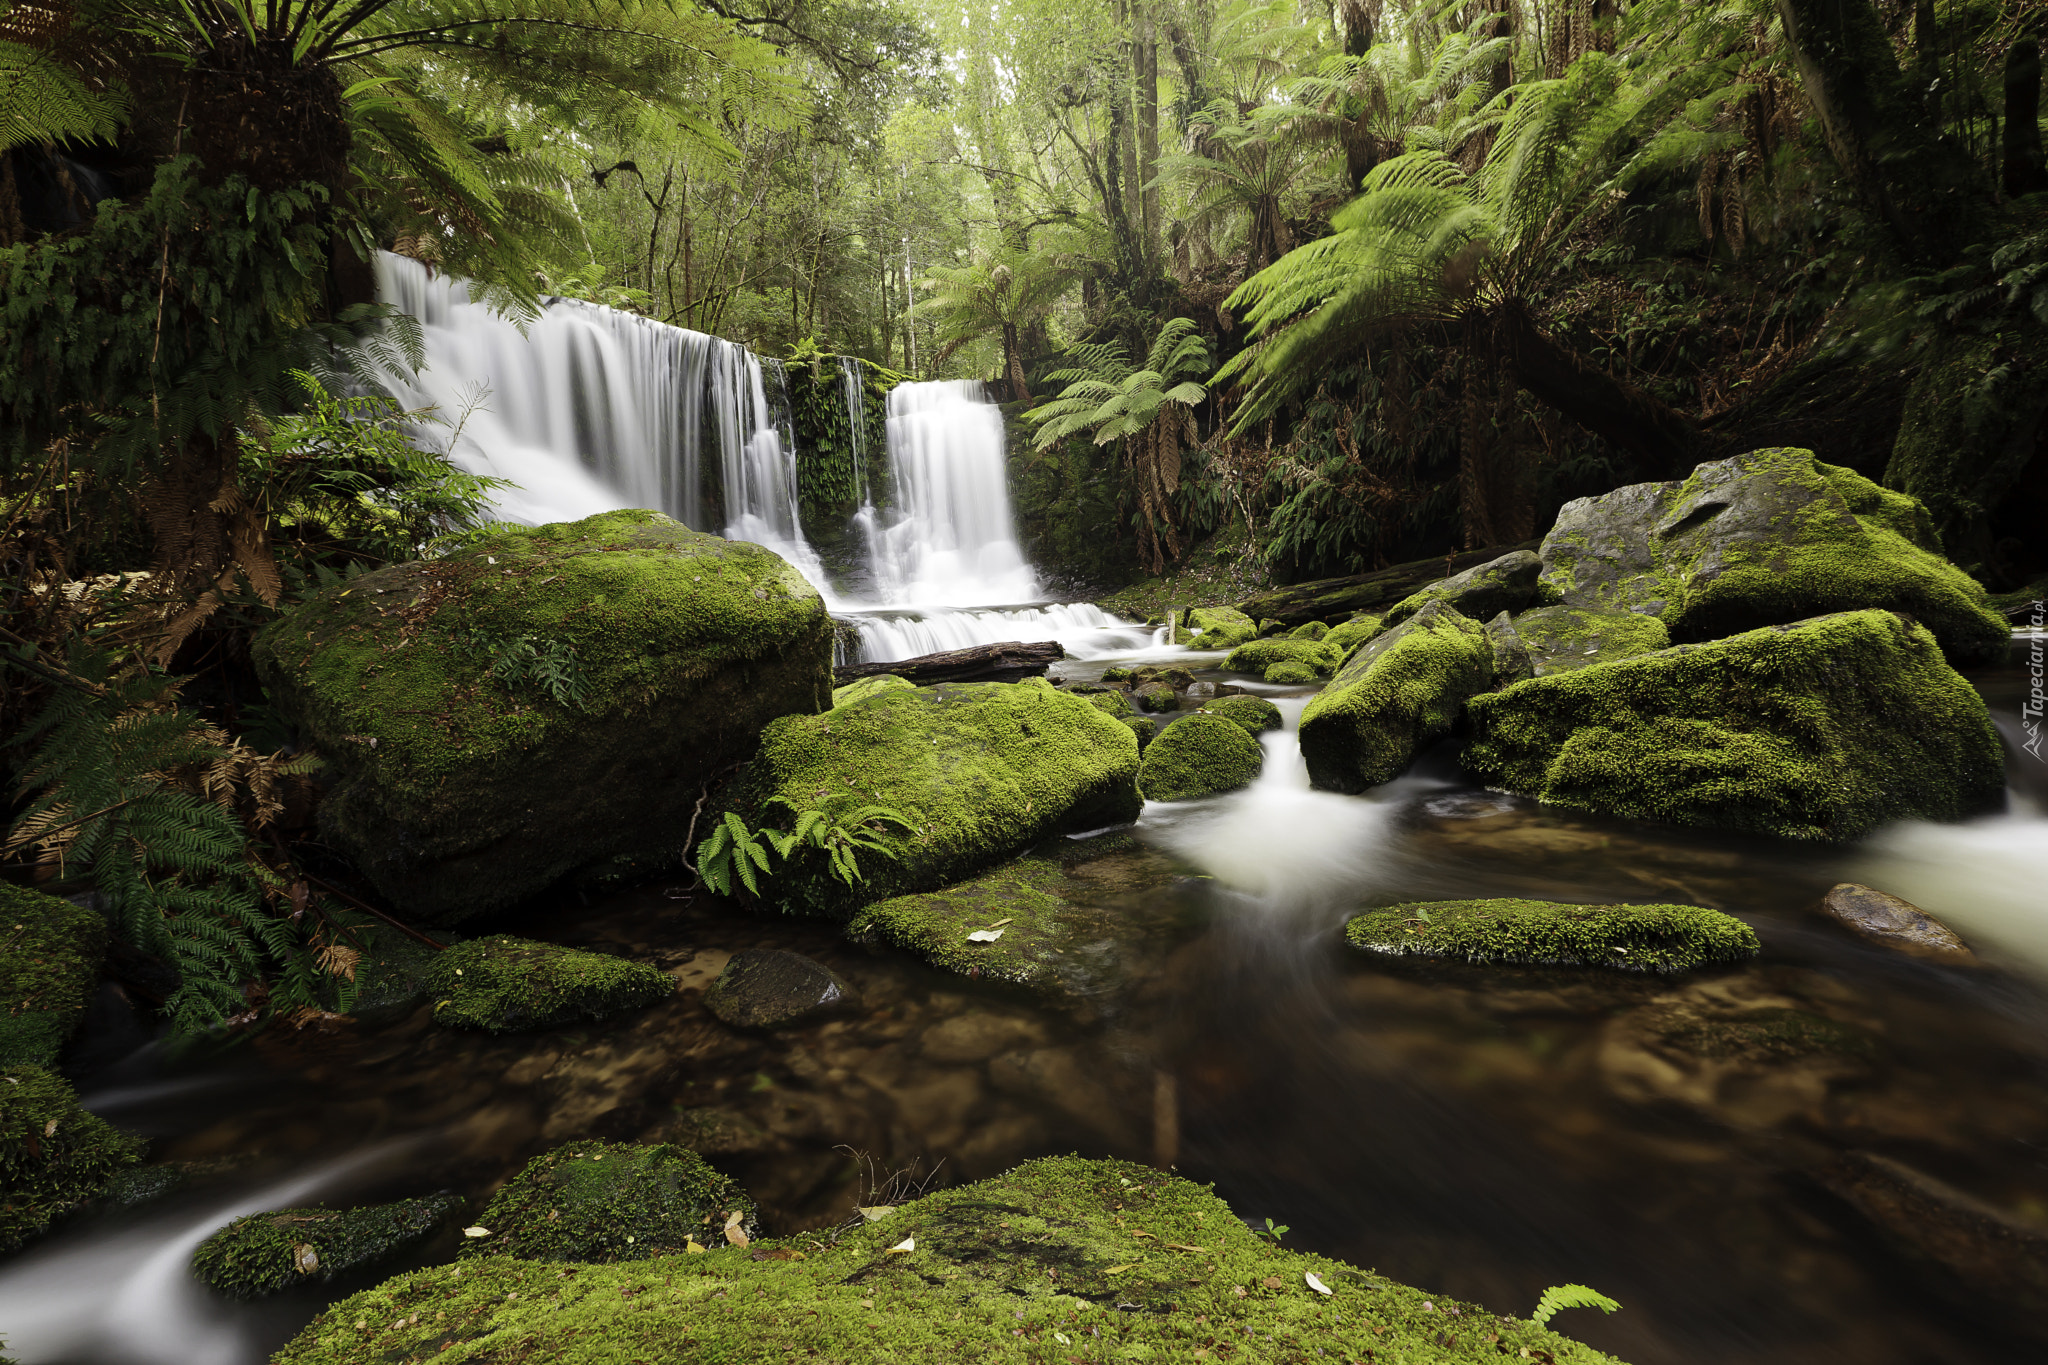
1562,1296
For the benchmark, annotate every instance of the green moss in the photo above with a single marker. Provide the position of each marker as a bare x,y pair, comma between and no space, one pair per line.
1038,1266
1255,714
1504,584
502,984
458,792
1967,434
868,687
595,1202
1110,700
1030,893
1319,656
54,1156
1350,634
1630,938
1218,628
1143,728
1291,674
1313,630
267,1252
50,953
1560,639
1820,730
1397,693
1199,755
981,770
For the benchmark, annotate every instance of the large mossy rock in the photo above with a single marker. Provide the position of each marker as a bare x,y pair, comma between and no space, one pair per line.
1663,939
54,1156
1255,714
264,1253
1823,729
595,1202
1319,657
1762,539
50,954
503,984
1480,592
1199,755
1218,628
541,703
1397,693
1039,1264
981,771
1560,639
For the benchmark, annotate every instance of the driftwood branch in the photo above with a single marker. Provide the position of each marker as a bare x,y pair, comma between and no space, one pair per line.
1333,599
1011,661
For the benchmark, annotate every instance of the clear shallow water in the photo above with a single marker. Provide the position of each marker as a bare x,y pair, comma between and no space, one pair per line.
1480,1136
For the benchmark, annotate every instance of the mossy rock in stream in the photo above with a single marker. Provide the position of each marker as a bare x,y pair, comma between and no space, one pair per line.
1319,656
50,954
868,687
1038,1264
1217,628
1824,729
539,704
1348,635
1255,714
982,771
1199,755
264,1253
595,1202
1480,592
1396,694
503,984
54,1156
1663,939
1560,639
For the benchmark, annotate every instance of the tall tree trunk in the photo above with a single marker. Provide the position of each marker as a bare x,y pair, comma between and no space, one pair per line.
250,110
1013,364
1501,75
1148,129
1356,17
2023,171
1666,442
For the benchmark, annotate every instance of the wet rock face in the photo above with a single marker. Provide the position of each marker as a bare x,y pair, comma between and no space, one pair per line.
767,988
1395,694
1887,920
265,1253
1505,584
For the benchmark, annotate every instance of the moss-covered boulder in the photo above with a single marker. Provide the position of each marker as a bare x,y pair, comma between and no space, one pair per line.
1766,538
1022,905
1217,628
596,1202
1505,584
1255,714
1292,674
1560,639
1346,636
1823,729
541,703
1309,630
868,687
1396,694
1319,656
1630,938
1110,700
1156,695
1040,1264
50,954
1199,755
982,771
54,1157
1143,728
503,984
267,1252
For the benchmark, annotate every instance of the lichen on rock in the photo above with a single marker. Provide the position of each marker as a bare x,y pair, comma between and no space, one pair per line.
503,984
1400,691
594,1202
1199,755
50,954
1633,938
264,1253
54,1156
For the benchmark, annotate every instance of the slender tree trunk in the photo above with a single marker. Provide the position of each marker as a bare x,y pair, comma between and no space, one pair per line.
2023,171
1666,442
1356,16
1148,130
1013,364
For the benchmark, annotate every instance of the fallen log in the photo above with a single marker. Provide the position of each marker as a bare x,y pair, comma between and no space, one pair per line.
1010,661
1334,599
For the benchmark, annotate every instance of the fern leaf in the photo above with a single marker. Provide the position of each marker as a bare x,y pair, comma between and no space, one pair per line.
1569,1296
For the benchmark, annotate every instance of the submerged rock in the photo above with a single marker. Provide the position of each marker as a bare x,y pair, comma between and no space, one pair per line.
1630,938
1200,755
1823,729
995,1271
982,771
267,1252
539,704
54,1156
1761,539
1560,639
50,954
1985,1251
1255,714
1505,584
1396,694
1894,923
769,988
595,1202
503,984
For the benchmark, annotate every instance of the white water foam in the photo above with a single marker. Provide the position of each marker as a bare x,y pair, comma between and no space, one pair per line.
1988,878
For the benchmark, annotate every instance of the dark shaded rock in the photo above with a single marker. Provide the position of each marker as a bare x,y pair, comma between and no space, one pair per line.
503,984
54,1157
1511,661
1482,591
1010,661
1560,639
1886,919
1663,939
1397,693
266,1252
50,955
1987,1253
769,988
1331,599
596,1202
1197,756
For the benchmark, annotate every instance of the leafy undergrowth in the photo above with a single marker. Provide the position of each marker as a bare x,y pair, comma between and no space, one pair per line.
1060,1260
1217,571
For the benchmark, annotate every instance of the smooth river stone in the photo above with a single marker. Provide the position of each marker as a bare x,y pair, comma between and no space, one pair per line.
1886,919
769,988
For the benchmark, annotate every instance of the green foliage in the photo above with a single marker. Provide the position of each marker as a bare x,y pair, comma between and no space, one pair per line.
1569,1296
54,1156
841,832
598,1202
732,849
549,667
42,102
1109,399
264,1253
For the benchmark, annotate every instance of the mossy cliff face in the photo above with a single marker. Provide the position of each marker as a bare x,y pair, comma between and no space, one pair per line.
1505,584
1762,539
1058,1259
503,984
1199,755
1820,730
1396,694
459,792
1630,938
608,1201
267,1252
54,1156
50,953
982,771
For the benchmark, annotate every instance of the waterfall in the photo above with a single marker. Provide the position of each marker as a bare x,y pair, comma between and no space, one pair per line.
857,421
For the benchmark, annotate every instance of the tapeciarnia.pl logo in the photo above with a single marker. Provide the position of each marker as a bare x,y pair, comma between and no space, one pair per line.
2030,709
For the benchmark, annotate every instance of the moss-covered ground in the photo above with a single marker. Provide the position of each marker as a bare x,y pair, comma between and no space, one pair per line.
1061,1261
502,984
1199,755
1632,938
596,1201
264,1253
54,1156
50,952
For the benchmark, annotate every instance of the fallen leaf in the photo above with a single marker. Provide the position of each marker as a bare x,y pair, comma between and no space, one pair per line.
692,1246
1136,1233
779,1254
1181,1246
984,936
305,1259
1119,1269
734,1233
908,1244
476,1232
875,1213
1062,1338
1314,1283
1001,922
50,1128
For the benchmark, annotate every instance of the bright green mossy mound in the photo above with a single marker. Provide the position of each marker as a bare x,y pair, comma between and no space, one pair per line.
1348,635
607,1201
1027,1268
1110,700
935,924
266,1252
53,1155
1395,694
1820,730
50,953
1218,628
1255,714
1291,673
1199,755
1319,656
1482,591
542,703
1144,728
868,687
1312,630
1629,938
503,984
1766,538
982,771
1560,639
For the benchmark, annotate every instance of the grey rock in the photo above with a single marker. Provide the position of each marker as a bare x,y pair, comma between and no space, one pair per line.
1886,919
1156,696
1504,584
1511,662
770,988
